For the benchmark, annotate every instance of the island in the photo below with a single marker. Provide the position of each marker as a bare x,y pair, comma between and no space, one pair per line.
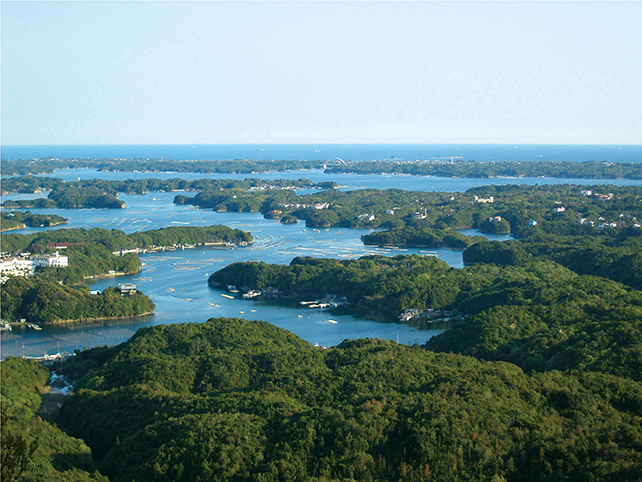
536,375
450,167
15,220
40,301
43,293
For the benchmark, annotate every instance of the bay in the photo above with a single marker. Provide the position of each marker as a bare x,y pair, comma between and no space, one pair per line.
186,271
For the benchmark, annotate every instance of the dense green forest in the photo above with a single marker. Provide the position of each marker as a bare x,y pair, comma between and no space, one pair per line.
34,184
480,169
243,166
540,379
33,449
421,237
522,210
235,400
115,240
42,301
19,220
536,314
440,168
70,196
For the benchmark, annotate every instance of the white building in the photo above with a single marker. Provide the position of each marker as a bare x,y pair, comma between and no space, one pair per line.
16,266
26,266
50,261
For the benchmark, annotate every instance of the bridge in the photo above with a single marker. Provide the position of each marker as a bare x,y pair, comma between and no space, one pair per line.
335,161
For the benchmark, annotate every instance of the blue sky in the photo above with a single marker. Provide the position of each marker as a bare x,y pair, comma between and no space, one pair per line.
321,72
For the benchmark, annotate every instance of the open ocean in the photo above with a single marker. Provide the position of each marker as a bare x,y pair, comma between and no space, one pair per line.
347,152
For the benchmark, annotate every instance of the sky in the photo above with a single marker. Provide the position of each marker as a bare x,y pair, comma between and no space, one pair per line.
421,72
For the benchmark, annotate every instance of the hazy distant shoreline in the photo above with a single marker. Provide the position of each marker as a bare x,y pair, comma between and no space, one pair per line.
353,152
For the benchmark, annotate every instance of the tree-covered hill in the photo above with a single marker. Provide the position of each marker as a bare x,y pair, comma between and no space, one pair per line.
32,449
35,184
441,168
235,400
42,301
20,220
486,170
536,313
115,239
421,237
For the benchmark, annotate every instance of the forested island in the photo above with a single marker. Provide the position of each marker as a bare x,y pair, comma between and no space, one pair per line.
493,169
430,167
72,196
41,301
94,252
234,166
518,209
238,400
35,184
97,193
117,240
19,220
538,375
421,237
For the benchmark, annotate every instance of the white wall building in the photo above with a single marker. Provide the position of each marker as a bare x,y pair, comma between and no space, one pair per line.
26,266
50,261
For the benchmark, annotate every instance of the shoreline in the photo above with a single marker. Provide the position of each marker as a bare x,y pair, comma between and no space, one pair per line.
85,320
80,320
17,228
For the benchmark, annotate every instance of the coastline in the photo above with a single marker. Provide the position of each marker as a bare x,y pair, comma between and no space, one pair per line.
81,320
85,320
16,228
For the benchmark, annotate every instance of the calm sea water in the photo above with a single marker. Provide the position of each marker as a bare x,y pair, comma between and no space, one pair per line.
186,272
354,152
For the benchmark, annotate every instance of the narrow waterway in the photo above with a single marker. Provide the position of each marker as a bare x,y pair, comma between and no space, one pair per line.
177,280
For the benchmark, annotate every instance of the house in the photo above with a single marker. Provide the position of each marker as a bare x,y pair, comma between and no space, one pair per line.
484,200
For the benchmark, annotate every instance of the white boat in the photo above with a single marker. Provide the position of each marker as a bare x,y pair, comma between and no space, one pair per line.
214,305
334,322
227,296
